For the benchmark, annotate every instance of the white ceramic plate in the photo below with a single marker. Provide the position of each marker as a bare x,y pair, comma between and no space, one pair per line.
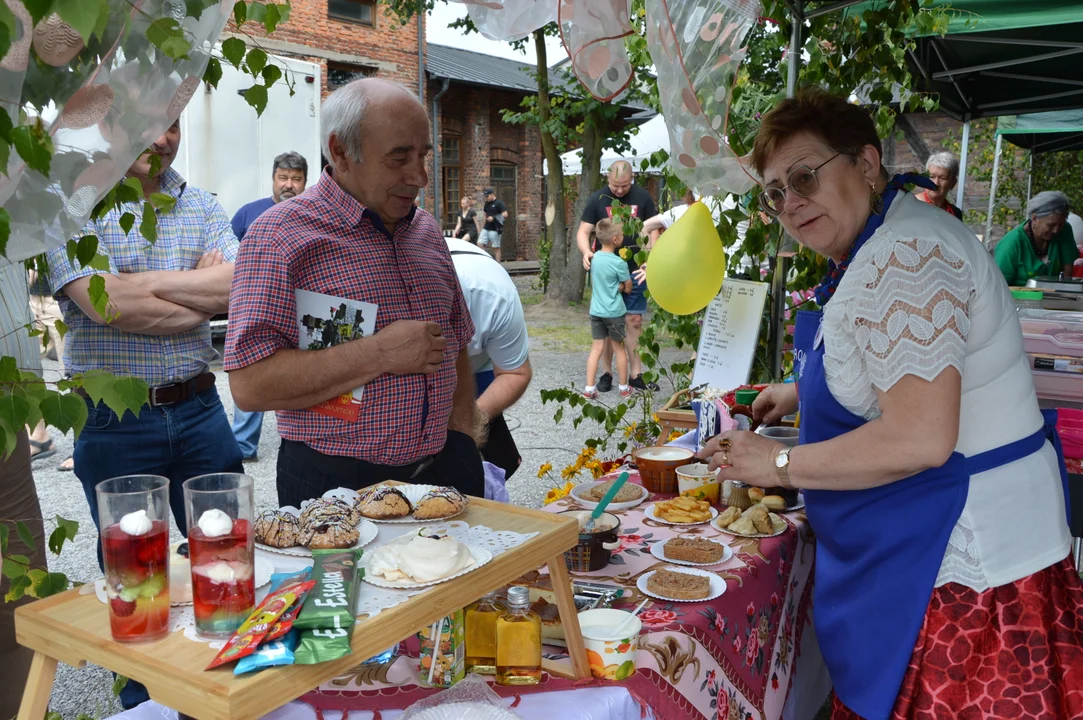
366,533
262,567
658,551
778,522
481,557
460,710
650,513
413,493
613,506
718,585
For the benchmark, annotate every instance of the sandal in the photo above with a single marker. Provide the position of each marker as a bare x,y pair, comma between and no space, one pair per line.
67,466
43,450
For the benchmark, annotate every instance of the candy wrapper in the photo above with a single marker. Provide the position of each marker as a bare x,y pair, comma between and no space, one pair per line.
330,604
284,623
255,628
269,654
443,652
324,644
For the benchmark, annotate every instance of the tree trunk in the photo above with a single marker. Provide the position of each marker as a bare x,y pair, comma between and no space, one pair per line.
556,220
593,138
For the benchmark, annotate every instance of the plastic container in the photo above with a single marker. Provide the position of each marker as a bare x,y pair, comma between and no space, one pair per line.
1058,386
1070,429
1027,299
1052,332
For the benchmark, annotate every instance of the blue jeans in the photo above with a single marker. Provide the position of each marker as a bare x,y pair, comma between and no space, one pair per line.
246,428
176,441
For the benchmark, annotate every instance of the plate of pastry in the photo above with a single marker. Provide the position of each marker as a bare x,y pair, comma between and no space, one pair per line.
589,494
681,510
324,523
754,522
681,584
421,559
775,503
405,503
693,551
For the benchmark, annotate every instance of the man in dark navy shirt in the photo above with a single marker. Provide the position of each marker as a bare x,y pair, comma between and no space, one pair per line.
289,177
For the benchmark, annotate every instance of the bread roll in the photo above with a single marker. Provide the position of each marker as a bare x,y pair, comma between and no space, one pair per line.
755,494
773,502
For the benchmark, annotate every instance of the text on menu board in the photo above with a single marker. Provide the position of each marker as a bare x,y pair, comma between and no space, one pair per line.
730,333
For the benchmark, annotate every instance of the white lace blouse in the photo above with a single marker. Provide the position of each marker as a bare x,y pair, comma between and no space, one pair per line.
923,295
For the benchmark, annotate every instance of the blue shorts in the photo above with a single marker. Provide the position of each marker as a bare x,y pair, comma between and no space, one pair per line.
634,302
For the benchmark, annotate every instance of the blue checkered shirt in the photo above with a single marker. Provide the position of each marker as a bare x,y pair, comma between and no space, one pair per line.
196,224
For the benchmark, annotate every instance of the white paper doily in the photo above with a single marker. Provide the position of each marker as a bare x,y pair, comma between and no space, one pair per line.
366,533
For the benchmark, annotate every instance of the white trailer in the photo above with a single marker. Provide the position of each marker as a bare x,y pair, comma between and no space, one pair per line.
228,150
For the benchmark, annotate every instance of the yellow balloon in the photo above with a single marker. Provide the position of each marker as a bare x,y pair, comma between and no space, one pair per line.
687,265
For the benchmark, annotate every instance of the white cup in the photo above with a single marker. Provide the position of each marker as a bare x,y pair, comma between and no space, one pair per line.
611,656
782,434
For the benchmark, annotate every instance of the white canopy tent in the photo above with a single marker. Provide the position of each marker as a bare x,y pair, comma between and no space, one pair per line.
651,138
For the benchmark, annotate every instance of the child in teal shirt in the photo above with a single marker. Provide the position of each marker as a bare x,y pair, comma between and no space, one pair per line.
608,278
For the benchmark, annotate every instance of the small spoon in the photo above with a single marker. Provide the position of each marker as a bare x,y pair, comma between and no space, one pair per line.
629,619
606,499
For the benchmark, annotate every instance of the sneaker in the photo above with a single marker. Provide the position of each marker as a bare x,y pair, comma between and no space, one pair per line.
605,382
590,394
638,383
627,392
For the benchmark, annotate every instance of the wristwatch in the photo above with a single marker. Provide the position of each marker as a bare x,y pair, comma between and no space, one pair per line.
782,466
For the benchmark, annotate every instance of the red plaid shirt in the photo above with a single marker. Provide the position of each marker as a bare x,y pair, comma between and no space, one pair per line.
327,242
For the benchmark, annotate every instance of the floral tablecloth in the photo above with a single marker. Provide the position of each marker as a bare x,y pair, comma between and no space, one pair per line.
732,658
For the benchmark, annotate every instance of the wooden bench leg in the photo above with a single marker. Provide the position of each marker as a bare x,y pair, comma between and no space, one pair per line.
569,617
39,685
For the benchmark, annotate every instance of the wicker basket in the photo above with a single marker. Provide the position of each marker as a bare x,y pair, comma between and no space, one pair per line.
659,474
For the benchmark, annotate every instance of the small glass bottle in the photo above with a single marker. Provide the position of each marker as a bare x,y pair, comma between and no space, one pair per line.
481,618
518,641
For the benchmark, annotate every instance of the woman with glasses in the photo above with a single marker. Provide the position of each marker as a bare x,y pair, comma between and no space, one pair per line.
944,587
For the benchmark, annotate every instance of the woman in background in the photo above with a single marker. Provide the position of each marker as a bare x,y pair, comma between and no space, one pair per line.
1042,245
466,226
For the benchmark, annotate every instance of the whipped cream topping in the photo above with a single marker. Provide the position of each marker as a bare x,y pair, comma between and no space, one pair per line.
215,523
136,523
422,559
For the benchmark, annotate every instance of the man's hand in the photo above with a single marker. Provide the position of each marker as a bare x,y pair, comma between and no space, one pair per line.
210,259
586,259
640,274
411,346
488,218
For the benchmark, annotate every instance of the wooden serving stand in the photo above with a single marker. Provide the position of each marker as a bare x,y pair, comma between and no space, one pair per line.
74,629
670,418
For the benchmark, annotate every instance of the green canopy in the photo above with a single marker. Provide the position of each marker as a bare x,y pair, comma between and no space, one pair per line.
1000,57
1044,132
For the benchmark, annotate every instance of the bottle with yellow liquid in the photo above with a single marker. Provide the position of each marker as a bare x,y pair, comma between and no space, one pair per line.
518,641
481,618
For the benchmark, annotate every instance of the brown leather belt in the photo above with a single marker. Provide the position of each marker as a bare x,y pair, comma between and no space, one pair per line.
162,395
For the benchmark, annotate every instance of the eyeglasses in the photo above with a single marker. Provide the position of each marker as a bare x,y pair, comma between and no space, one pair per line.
802,181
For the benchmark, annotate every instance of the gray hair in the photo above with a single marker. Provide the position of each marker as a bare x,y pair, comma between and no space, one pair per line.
343,113
943,160
291,161
1048,202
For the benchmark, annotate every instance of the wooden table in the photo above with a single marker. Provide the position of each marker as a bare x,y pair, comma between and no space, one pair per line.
74,629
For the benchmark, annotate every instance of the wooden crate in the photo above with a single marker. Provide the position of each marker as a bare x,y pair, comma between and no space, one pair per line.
74,629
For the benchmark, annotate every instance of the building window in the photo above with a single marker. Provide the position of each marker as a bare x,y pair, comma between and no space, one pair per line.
339,74
356,11
450,164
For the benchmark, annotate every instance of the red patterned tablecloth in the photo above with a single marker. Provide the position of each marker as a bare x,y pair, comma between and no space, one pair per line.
732,658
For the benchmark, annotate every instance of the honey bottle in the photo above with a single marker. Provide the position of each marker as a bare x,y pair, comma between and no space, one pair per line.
518,641
481,617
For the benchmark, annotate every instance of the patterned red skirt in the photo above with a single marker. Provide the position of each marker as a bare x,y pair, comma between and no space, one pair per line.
1015,652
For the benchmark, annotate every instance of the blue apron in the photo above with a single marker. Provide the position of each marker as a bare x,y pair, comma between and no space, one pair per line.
879,550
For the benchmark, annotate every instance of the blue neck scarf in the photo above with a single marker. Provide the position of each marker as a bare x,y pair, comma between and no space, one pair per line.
826,289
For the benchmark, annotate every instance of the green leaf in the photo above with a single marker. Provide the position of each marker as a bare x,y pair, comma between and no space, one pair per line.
14,410
272,17
129,191
82,15
36,153
64,412
257,98
48,584
148,226
97,384
99,299
38,9
283,14
213,74
233,51
132,393
127,221
194,8
14,566
70,527
4,532
118,684
271,74
155,165
57,538
167,35
24,534
9,373
85,249
162,202
5,227
257,11
256,60
240,12
99,262
18,588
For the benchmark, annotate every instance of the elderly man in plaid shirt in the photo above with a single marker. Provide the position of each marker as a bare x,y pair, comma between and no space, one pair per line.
357,235
162,296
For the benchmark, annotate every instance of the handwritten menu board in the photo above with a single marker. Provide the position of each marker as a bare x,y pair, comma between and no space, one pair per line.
731,330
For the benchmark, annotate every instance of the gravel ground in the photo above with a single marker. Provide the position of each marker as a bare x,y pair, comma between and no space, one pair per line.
87,690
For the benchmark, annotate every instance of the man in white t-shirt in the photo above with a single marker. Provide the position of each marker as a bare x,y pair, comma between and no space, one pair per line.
499,350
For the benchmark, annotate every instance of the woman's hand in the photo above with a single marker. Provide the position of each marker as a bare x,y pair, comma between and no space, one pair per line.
743,456
774,403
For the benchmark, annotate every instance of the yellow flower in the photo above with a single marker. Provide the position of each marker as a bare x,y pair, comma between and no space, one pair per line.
545,468
655,418
586,453
595,468
674,435
629,430
557,493
569,472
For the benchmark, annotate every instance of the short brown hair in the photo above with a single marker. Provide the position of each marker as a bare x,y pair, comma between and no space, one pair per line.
846,128
607,231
